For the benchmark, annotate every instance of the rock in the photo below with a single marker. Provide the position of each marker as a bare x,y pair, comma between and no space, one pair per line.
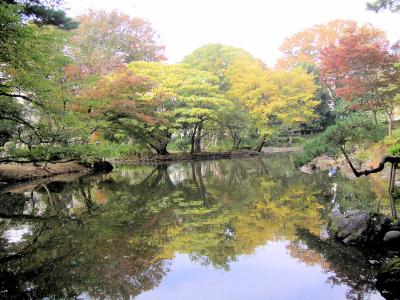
102,166
305,169
388,279
392,238
357,227
395,228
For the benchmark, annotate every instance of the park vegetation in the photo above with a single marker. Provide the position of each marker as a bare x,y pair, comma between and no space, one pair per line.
98,87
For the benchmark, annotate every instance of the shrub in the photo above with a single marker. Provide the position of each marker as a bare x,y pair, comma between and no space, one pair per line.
348,133
84,153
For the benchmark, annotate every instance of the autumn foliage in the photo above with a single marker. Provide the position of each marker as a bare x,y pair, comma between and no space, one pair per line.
106,41
360,68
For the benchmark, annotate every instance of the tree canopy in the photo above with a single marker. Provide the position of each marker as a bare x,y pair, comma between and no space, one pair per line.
379,5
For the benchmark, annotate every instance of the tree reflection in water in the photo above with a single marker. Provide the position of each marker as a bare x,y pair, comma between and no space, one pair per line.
114,236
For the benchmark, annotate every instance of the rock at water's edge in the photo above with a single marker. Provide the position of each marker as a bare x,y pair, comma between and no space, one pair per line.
102,166
356,227
388,279
392,238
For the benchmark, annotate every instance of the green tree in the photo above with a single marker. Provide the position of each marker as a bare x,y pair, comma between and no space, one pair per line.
150,101
43,12
216,58
379,5
32,90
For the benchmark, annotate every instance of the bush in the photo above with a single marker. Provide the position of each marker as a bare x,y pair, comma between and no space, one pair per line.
84,153
311,149
350,133
395,149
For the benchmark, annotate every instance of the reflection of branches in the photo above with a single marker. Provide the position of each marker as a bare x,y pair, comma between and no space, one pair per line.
349,265
148,177
197,177
152,181
26,251
87,197
37,218
264,169
50,197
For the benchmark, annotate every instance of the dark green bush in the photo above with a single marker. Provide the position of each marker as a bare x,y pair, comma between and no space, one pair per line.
83,153
348,133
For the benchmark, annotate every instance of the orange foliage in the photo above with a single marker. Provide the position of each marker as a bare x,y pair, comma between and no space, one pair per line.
306,46
359,63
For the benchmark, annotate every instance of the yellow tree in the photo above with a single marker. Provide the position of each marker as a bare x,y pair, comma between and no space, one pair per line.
276,99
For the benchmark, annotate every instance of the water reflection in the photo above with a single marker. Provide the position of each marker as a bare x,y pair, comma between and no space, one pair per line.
121,234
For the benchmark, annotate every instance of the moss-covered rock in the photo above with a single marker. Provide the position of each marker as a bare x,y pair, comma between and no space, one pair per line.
357,227
388,279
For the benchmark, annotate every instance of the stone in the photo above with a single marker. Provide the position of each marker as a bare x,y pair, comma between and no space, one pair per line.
102,166
392,238
356,227
388,279
395,228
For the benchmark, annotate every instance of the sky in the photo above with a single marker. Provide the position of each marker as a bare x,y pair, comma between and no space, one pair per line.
258,26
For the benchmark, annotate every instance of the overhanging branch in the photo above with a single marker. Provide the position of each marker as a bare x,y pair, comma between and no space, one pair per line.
379,168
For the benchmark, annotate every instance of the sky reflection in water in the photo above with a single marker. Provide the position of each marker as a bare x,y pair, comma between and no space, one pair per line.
226,229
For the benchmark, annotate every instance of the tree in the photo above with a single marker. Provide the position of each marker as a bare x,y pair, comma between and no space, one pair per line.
276,99
379,5
129,105
43,12
150,101
346,136
305,47
190,98
105,41
216,58
32,65
30,82
361,68
238,122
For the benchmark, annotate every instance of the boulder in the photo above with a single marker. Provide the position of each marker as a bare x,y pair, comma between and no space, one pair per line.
102,166
357,227
388,279
392,239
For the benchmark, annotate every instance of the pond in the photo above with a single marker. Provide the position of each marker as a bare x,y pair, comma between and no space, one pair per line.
249,228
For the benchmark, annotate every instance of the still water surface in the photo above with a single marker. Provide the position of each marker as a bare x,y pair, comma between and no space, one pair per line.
249,228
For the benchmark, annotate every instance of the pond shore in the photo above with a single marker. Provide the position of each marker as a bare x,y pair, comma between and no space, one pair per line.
16,172
11,173
176,157
325,162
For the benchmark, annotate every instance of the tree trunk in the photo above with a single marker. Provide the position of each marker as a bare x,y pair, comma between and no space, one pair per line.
260,145
290,137
160,149
390,124
197,140
192,139
374,114
239,140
